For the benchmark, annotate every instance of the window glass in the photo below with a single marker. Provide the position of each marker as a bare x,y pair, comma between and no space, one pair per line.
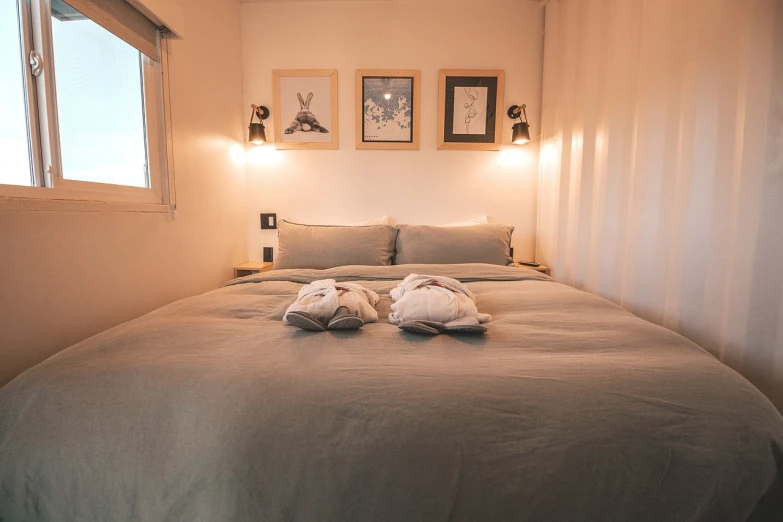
14,146
100,106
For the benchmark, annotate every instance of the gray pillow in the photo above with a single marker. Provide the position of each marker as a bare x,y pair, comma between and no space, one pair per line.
489,243
326,246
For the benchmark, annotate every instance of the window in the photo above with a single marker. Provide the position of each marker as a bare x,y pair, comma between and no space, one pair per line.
14,144
81,110
100,109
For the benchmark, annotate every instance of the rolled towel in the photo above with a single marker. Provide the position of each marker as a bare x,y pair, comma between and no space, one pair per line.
433,298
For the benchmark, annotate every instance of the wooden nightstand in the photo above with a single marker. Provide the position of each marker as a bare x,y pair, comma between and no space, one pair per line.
541,268
251,267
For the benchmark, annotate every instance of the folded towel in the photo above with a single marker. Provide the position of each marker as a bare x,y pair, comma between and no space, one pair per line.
321,299
433,298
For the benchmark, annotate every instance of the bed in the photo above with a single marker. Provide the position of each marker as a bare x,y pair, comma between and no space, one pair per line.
569,408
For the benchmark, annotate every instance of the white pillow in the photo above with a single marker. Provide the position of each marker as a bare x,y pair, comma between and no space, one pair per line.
383,220
478,221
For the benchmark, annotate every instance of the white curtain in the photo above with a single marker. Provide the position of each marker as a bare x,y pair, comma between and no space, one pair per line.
662,167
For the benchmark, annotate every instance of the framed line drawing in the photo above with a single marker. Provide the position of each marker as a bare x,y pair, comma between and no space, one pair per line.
470,109
387,109
305,108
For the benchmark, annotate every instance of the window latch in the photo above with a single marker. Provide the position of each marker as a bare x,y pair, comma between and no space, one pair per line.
48,176
36,63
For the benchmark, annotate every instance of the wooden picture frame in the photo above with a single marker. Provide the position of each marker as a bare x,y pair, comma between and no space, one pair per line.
305,109
399,132
483,123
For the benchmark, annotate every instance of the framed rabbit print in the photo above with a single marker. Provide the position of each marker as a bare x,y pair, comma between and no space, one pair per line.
305,108
470,109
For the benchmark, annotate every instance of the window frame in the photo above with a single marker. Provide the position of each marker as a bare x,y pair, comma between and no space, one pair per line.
47,179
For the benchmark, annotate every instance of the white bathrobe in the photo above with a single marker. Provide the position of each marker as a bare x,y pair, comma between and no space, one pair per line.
321,298
434,298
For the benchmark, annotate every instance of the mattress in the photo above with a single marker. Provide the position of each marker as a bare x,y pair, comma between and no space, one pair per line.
569,408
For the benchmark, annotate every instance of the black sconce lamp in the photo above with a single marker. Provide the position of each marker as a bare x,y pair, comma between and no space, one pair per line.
520,132
257,134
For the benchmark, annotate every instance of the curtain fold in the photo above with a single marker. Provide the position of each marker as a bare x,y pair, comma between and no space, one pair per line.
662,170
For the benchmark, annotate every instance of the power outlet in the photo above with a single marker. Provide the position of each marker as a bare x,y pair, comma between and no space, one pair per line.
268,221
268,258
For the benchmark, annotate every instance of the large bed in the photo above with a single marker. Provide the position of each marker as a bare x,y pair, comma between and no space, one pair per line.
210,408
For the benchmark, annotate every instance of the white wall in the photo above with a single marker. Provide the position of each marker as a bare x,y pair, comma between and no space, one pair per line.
67,275
425,186
662,167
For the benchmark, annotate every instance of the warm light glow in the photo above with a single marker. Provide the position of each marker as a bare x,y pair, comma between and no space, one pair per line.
264,156
237,153
577,140
548,152
521,141
600,141
550,149
387,96
513,157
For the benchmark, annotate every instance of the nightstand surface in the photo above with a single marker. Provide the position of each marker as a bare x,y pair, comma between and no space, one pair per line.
251,267
541,268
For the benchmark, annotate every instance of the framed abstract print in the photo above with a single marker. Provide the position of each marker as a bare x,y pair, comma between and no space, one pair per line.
470,109
305,108
387,109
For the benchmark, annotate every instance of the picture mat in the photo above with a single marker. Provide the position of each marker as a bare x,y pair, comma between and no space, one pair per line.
320,106
388,120
464,106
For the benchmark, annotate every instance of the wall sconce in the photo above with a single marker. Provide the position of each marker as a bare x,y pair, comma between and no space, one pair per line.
257,134
520,132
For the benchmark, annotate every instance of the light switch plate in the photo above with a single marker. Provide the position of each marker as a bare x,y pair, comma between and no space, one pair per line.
268,255
268,221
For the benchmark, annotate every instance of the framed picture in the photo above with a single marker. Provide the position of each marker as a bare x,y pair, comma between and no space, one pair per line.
470,109
305,109
387,109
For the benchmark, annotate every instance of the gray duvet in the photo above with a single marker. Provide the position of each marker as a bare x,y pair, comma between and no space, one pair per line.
211,409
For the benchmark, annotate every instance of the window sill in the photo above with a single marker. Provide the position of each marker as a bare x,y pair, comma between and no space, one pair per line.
75,205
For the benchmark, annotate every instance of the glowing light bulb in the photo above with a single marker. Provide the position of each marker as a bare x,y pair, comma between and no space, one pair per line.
387,96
